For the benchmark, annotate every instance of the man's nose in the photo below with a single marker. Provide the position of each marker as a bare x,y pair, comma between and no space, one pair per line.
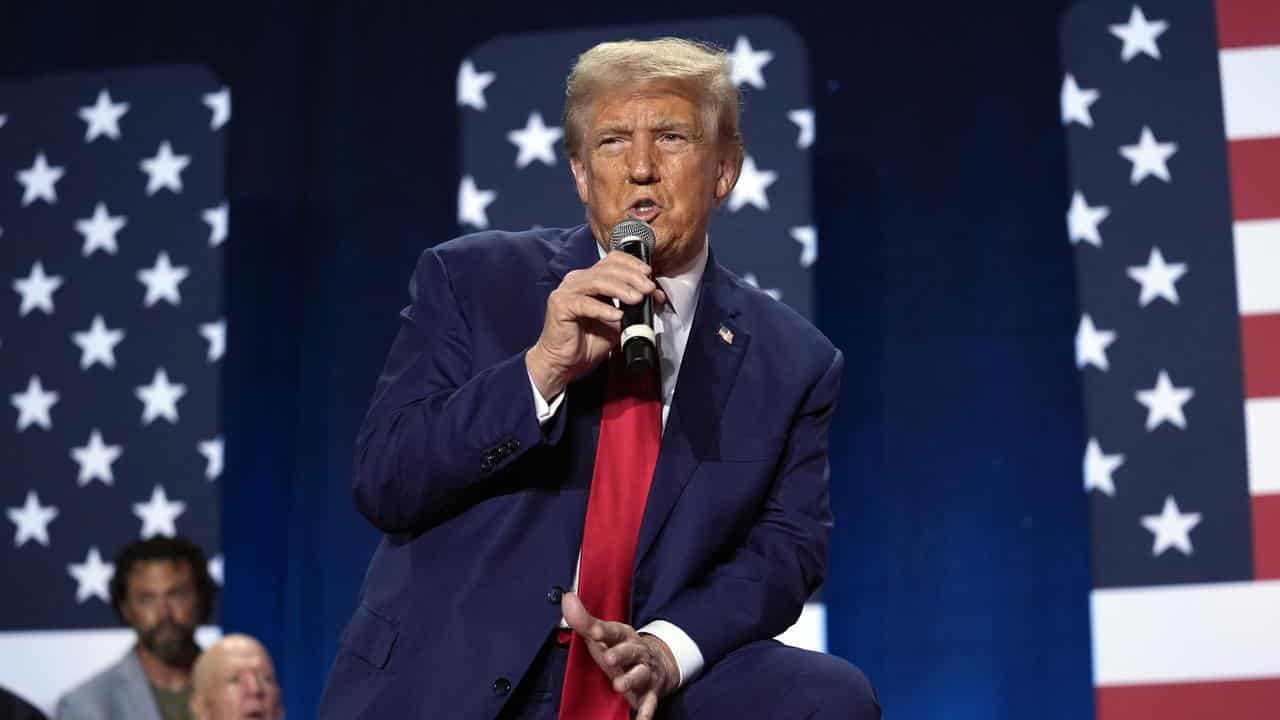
253,684
642,163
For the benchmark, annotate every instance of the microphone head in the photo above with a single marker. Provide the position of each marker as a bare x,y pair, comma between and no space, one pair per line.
632,230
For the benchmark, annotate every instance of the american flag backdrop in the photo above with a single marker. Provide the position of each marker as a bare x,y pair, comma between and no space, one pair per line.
510,93
113,215
1172,112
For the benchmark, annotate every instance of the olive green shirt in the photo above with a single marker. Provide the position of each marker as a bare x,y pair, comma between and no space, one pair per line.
173,704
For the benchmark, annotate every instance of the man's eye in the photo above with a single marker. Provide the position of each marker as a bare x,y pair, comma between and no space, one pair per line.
672,137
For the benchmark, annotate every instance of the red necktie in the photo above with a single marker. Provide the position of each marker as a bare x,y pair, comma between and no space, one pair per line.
626,453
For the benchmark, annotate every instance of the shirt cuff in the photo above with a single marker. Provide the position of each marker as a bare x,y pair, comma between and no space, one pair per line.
688,657
544,410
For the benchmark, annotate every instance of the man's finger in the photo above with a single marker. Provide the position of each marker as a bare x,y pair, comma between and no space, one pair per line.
638,678
626,654
612,633
576,615
648,706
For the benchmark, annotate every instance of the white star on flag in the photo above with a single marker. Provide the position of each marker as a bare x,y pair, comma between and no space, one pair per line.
751,279
1076,102
162,281
535,141
160,398
97,344
1164,402
38,181
751,187
1139,35
95,459
159,514
212,452
216,218
216,333
471,85
1083,221
32,520
1092,344
472,202
103,117
1157,278
804,120
746,65
4,120
34,404
215,567
92,577
219,104
1149,157
807,236
100,231
1098,467
37,290
164,170
1172,528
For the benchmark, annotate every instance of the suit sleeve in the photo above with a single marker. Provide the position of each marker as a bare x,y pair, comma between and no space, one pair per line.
759,589
75,707
439,428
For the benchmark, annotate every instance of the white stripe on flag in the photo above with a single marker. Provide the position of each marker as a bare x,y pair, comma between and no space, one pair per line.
1186,633
1257,247
1262,435
42,665
1250,85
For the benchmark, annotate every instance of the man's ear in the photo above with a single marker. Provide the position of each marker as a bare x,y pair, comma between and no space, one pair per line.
196,705
580,179
727,170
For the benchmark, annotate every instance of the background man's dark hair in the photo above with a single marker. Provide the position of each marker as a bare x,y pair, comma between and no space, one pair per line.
176,549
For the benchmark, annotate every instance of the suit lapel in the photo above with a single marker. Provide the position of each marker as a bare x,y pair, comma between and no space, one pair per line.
708,370
135,691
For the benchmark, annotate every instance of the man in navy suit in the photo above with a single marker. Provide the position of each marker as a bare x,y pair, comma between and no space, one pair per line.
478,456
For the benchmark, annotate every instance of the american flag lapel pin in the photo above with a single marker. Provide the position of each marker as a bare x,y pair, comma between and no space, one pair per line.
725,334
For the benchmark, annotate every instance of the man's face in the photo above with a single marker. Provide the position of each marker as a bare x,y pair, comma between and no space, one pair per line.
649,152
241,683
162,607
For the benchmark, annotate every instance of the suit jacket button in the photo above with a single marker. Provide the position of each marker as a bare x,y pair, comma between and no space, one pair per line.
555,594
501,687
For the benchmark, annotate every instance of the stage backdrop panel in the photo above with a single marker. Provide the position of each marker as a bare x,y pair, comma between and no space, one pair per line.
515,175
1174,138
113,215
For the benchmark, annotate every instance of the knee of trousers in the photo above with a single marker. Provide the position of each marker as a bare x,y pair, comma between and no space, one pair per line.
838,690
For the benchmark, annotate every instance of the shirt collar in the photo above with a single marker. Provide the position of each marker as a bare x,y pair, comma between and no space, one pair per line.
681,288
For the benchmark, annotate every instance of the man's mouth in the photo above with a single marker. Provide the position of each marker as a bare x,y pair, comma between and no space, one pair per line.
644,209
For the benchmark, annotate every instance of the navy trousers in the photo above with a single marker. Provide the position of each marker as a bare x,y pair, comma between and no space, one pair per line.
765,680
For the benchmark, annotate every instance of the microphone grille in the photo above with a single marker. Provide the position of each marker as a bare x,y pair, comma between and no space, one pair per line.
630,230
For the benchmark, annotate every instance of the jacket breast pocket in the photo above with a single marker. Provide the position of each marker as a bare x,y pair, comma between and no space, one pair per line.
370,636
751,448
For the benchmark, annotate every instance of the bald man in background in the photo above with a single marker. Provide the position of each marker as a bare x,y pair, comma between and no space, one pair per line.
234,679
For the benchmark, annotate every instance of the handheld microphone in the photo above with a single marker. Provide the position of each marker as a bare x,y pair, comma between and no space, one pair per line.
639,343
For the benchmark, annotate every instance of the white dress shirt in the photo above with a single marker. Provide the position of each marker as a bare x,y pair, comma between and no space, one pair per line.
672,324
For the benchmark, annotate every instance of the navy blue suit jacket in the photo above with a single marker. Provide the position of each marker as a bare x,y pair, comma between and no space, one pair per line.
482,508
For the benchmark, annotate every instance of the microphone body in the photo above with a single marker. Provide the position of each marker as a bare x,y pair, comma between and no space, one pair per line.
639,342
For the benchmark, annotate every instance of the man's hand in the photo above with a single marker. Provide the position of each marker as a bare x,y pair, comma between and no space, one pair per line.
581,324
641,666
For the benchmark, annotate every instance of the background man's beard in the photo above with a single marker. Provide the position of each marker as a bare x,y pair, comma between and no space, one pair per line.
171,642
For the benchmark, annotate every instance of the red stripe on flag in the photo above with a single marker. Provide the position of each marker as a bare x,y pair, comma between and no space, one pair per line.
1244,23
1235,699
1255,175
1266,538
1260,346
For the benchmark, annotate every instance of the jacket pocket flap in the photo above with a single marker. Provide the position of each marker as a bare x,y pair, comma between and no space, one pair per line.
370,636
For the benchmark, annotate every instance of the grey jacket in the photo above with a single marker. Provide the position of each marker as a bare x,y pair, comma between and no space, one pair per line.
120,692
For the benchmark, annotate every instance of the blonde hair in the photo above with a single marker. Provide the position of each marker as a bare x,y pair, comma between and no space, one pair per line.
702,67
